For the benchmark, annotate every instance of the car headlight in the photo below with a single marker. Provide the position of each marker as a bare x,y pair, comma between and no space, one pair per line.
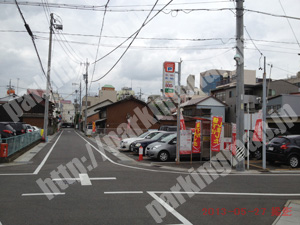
156,146
138,144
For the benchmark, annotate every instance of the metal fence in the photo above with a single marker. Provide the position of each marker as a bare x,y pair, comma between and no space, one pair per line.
19,142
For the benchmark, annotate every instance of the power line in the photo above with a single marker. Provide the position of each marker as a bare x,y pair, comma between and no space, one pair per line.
271,14
289,23
101,30
151,38
136,34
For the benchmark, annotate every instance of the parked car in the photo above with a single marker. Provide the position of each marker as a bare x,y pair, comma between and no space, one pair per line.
168,128
125,144
285,149
19,127
163,150
255,148
89,130
35,128
145,142
29,128
6,130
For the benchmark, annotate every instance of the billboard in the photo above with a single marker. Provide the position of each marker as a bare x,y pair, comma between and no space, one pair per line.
169,79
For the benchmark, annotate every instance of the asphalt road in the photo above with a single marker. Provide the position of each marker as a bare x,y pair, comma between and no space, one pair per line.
103,189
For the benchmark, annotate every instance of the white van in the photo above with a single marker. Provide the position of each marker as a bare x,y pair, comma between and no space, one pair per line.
89,130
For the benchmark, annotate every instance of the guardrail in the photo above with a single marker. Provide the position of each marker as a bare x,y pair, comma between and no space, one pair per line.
19,142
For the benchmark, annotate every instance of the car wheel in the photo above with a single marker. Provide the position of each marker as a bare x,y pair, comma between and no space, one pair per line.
163,156
294,161
257,154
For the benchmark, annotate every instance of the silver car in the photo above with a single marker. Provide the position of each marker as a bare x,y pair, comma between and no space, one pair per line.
163,150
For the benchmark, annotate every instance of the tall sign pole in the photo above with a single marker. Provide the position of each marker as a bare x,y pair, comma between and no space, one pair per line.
239,58
178,113
46,113
264,107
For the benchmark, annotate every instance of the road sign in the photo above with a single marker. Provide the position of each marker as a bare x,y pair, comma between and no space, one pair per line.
169,79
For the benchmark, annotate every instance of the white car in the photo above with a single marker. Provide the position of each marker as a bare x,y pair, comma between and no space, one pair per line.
29,128
126,142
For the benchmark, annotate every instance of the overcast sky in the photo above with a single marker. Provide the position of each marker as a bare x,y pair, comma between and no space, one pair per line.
141,66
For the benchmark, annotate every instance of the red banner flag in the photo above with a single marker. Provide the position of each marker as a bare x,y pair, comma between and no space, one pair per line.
233,140
182,123
257,135
197,138
94,127
216,129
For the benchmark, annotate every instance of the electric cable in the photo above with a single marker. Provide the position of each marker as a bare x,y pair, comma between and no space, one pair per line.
136,34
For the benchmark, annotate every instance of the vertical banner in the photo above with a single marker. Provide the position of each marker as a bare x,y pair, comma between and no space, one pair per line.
216,129
94,127
233,140
182,123
197,138
169,79
257,135
185,142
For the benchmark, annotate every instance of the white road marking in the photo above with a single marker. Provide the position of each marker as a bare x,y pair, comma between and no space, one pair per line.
176,172
229,193
170,209
16,174
91,178
123,192
43,194
46,157
84,179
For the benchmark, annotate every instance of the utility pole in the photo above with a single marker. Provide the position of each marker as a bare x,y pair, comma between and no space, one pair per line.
178,113
79,126
46,114
264,110
85,76
239,58
48,82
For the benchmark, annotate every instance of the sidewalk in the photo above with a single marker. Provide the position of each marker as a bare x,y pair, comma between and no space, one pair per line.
292,217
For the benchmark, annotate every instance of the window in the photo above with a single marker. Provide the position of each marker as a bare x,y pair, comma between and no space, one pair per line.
271,92
221,96
248,92
230,94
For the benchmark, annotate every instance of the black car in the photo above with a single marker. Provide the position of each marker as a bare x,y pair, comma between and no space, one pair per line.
19,127
285,149
6,130
145,142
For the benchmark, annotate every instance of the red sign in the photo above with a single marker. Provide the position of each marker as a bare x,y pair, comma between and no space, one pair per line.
216,129
169,67
182,123
233,140
197,138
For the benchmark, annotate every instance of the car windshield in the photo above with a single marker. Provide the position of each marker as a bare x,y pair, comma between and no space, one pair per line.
279,140
144,134
168,138
157,136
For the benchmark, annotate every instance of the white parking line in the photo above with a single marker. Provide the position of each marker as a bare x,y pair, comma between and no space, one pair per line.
91,178
46,157
230,193
43,194
170,209
123,192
